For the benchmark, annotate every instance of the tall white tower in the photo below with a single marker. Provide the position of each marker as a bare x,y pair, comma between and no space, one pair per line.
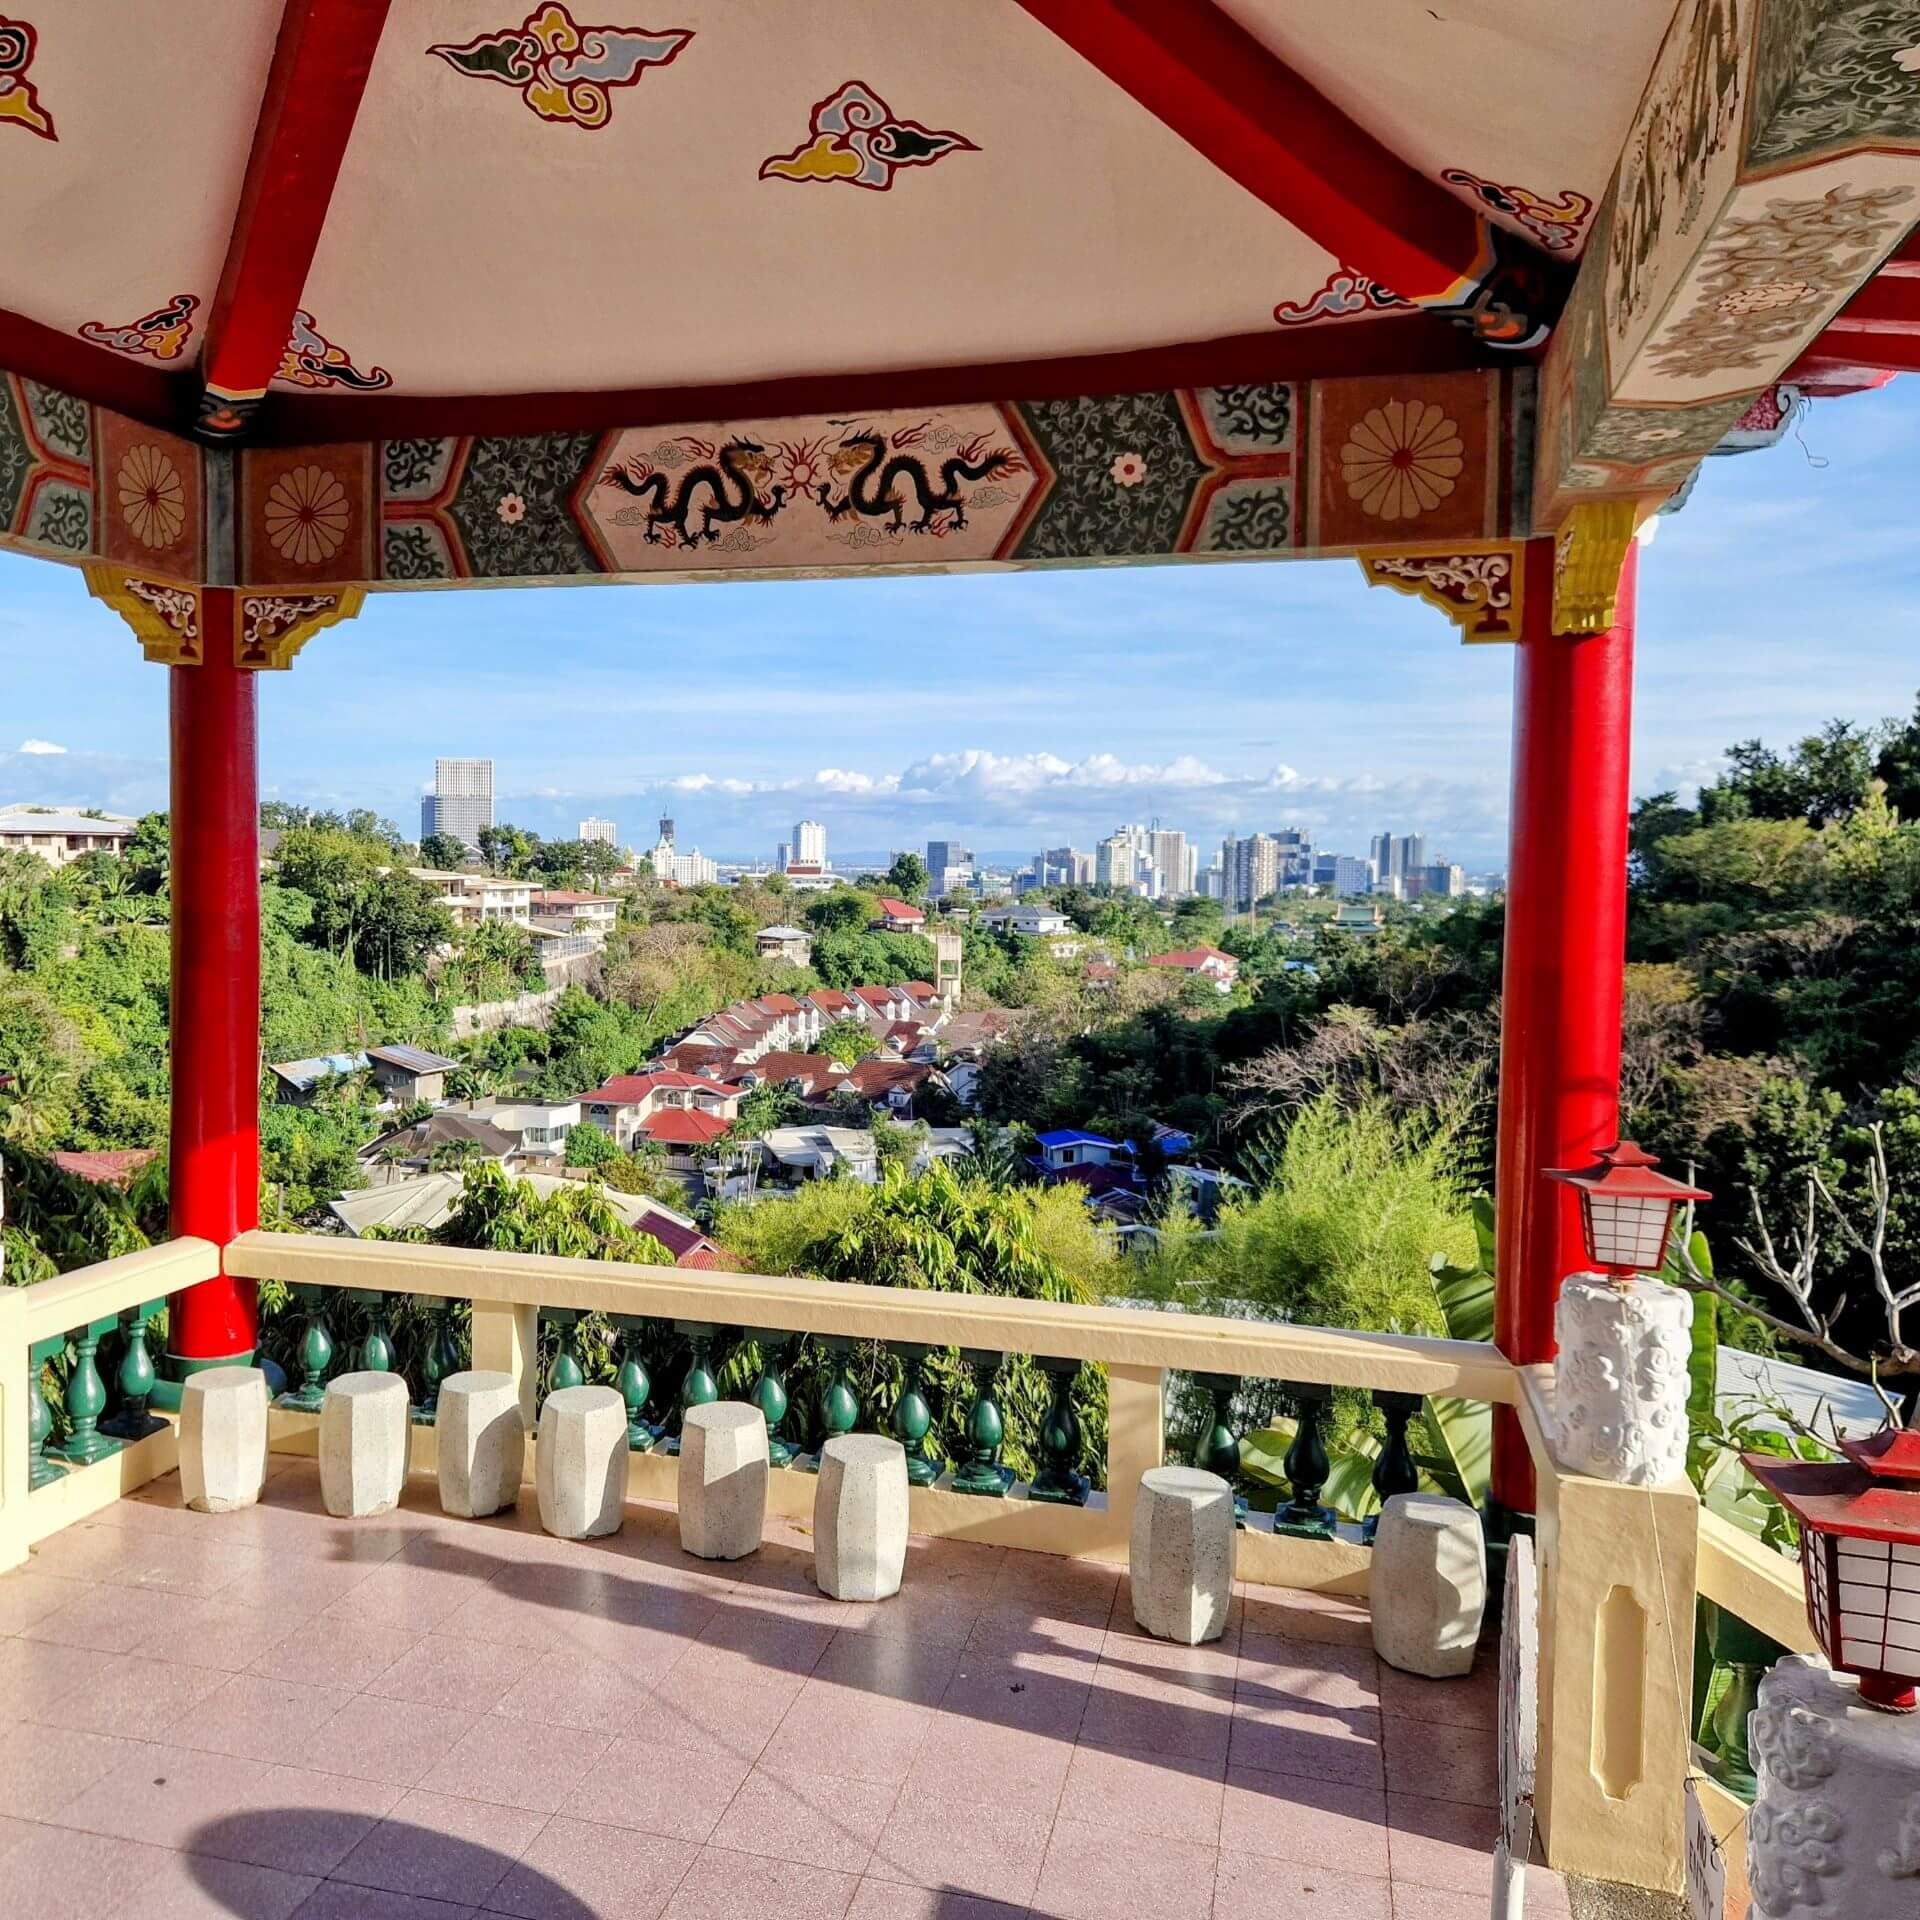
809,843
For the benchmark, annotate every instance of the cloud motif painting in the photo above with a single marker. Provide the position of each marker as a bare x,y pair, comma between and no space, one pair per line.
857,138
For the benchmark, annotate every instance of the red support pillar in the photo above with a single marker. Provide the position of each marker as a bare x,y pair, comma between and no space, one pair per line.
1566,928
215,1154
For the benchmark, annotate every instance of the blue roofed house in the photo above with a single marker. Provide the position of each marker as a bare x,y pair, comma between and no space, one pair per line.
1069,1147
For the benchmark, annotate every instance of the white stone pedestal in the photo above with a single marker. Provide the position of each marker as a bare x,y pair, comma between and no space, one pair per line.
1835,1831
223,1438
723,1480
1180,1558
1429,1589
364,1437
1620,1386
482,1438
580,1463
860,1517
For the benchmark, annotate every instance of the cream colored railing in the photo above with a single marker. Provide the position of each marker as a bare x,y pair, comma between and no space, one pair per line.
1618,1564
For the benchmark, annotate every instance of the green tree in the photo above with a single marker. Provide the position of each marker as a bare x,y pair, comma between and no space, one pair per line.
848,1041
446,852
589,1146
907,878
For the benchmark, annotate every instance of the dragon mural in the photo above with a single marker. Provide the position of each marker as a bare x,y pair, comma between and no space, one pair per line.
736,478
873,474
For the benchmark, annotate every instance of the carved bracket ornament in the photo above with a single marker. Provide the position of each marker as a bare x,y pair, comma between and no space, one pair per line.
1588,553
165,615
175,622
1480,587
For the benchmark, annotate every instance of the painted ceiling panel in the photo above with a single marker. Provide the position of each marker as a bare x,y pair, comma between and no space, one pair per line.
1517,93
126,198
741,192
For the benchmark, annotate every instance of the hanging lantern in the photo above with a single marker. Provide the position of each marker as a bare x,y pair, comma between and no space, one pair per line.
1626,1209
1860,1553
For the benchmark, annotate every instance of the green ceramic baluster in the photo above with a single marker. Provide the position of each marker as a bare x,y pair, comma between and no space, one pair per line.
136,1378
87,1398
436,1360
913,1420
770,1396
982,1472
1219,1447
566,1370
633,1382
1307,1468
40,1470
316,1353
1746,1655
1393,1471
839,1404
376,1349
698,1387
1059,1479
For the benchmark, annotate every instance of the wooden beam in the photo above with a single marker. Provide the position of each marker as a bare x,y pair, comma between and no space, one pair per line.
1203,75
1773,166
319,73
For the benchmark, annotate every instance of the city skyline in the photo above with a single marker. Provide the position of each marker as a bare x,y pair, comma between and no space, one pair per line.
1025,711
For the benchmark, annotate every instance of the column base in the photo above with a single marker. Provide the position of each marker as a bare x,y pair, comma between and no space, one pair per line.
177,1367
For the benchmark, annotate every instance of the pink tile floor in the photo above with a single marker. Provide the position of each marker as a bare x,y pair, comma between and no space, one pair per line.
274,1713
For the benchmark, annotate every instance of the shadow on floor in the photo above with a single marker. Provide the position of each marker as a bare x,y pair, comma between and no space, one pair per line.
394,1859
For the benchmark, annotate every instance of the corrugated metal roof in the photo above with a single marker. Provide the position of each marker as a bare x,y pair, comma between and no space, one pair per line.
412,1059
308,1073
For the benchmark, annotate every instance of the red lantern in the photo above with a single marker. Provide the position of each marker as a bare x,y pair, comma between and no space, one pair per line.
1860,1552
1626,1209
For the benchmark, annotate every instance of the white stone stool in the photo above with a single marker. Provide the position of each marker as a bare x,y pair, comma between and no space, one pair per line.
860,1517
1180,1563
223,1438
364,1433
580,1471
1835,1829
723,1479
1428,1593
482,1439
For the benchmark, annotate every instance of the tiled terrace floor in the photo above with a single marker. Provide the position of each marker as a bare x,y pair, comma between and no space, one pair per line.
416,1718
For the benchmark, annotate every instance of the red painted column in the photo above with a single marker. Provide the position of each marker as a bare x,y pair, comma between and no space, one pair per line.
215,1163
1566,929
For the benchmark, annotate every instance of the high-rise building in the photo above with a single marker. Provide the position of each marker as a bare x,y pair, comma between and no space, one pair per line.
461,802
1345,873
1116,862
1063,867
782,855
942,854
1250,870
809,844
599,833
1296,857
1442,881
1174,864
1395,855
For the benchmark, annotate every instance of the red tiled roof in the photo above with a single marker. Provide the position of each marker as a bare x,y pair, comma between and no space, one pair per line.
922,990
780,1003
109,1167
813,1068
709,1259
682,1126
1191,959
1100,970
893,909
874,1076
691,1056
630,1089
905,1034
875,996
831,1000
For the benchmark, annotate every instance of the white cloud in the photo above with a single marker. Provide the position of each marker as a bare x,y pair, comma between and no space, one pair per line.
39,746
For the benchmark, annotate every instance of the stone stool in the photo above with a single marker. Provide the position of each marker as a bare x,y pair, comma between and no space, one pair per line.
1429,1588
723,1479
364,1434
482,1438
860,1517
223,1438
1180,1563
580,1470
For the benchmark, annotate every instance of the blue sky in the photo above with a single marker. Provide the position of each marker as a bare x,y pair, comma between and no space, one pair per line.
1020,710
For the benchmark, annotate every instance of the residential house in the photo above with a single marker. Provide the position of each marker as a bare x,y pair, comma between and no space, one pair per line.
813,1076
1069,1147
1034,923
407,1074
60,835
539,1127
474,898
297,1081
1100,975
784,943
107,1166
965,1036
898,916
1201,963
577,912
894,1084
675,1110
428,1201
407,1151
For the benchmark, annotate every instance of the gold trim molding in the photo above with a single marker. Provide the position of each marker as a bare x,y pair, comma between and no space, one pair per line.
1588,553
167,616
270,628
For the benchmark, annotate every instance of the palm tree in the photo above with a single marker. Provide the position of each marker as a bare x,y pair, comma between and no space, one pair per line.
32,1101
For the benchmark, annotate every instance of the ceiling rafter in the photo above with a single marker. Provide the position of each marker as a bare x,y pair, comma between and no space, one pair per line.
320,65
1238,104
